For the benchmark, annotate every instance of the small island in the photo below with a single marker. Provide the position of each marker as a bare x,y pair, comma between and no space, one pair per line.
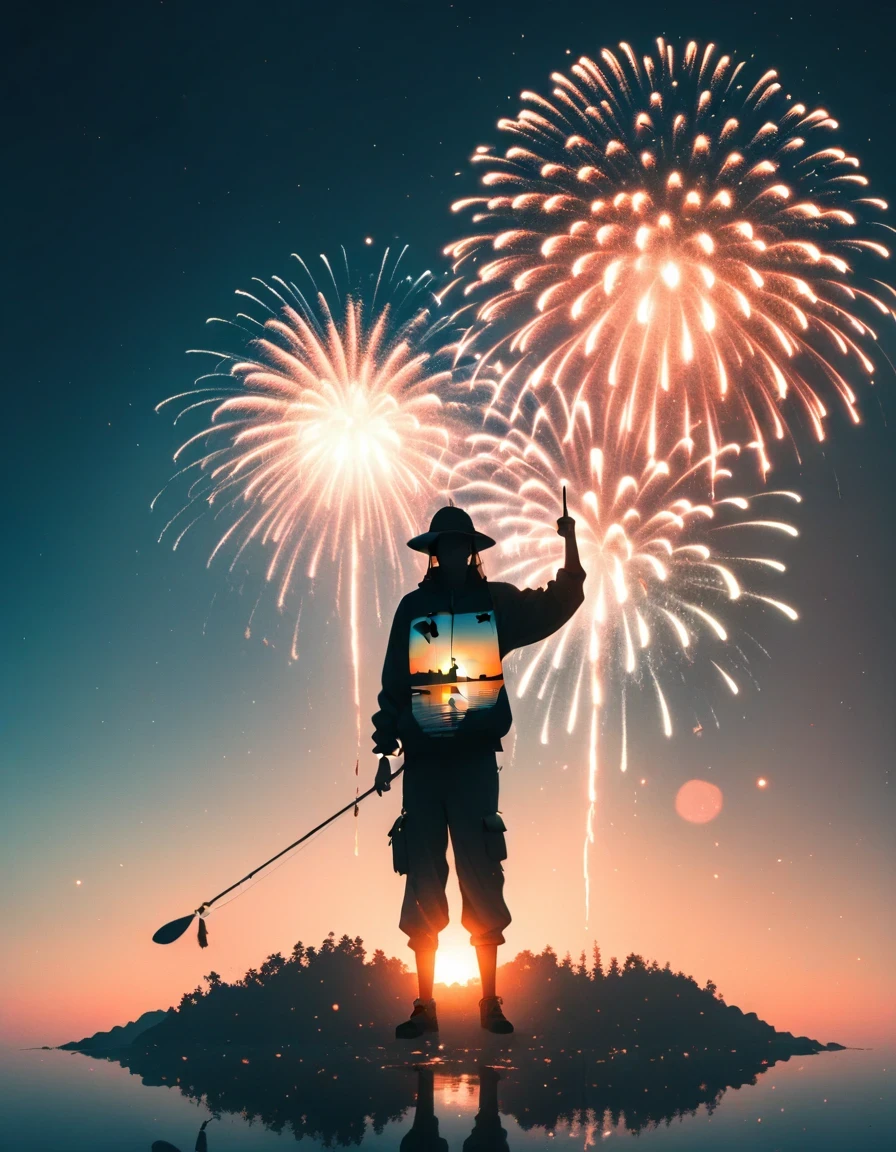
305,1043
336,994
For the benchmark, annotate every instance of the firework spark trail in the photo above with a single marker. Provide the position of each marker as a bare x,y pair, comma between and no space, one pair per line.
324,436
665,566
678,242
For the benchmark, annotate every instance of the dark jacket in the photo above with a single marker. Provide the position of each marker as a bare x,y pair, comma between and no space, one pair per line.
522,616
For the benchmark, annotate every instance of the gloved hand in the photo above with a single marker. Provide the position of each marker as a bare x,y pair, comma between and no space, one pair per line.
383,781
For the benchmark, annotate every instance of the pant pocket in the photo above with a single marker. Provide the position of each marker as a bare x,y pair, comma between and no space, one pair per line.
398,838
495,842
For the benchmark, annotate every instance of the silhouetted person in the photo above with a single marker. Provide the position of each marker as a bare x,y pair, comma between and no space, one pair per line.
487,1134
423,1135
450,737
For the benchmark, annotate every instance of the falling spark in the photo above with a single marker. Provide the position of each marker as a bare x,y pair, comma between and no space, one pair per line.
679,242
666,570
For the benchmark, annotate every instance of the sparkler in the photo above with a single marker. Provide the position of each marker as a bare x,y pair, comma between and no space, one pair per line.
325,435
671,240
666,567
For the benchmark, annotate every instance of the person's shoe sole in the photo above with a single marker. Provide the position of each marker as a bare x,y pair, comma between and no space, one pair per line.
404,1033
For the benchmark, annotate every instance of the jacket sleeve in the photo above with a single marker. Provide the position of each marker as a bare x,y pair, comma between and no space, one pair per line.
527,615
395,692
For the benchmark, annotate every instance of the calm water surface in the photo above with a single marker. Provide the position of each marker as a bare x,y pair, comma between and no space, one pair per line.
61,1102
440,709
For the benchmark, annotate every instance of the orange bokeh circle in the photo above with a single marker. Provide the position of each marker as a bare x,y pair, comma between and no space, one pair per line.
698,801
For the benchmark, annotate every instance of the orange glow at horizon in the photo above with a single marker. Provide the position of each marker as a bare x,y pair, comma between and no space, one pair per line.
473,646
455,959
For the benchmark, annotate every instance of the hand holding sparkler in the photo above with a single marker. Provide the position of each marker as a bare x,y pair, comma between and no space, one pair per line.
566,527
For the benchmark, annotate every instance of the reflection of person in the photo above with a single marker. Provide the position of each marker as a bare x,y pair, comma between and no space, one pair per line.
423,1135
450,782
487,1134
201,1144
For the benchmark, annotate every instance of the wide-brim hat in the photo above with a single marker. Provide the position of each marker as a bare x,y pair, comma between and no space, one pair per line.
450,521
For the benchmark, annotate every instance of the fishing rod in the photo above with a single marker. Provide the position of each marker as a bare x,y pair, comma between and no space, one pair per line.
174,929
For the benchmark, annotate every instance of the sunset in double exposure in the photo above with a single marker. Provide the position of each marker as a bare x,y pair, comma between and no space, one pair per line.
448,635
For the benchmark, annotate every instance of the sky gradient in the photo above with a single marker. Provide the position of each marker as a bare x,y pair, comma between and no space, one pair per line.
162,156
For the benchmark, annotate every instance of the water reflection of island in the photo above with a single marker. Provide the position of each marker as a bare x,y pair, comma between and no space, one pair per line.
338,1096
303,1044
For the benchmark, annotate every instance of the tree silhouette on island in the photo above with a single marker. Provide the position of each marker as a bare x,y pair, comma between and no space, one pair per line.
334,994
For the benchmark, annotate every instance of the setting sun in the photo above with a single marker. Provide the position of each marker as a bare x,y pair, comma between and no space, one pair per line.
455,963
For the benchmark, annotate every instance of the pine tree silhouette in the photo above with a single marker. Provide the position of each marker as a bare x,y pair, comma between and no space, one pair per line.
336,994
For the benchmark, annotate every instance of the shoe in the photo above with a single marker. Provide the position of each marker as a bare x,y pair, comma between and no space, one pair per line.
422,1020
492,1017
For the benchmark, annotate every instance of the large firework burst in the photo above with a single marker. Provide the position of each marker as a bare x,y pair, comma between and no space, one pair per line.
325,435
668,567
680,242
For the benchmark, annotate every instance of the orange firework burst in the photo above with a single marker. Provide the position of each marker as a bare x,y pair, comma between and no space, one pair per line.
665,570
326,441
671,239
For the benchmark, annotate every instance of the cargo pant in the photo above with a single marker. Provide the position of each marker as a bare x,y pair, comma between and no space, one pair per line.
454,794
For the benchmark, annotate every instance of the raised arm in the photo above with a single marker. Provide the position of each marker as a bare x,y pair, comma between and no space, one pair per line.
527,615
